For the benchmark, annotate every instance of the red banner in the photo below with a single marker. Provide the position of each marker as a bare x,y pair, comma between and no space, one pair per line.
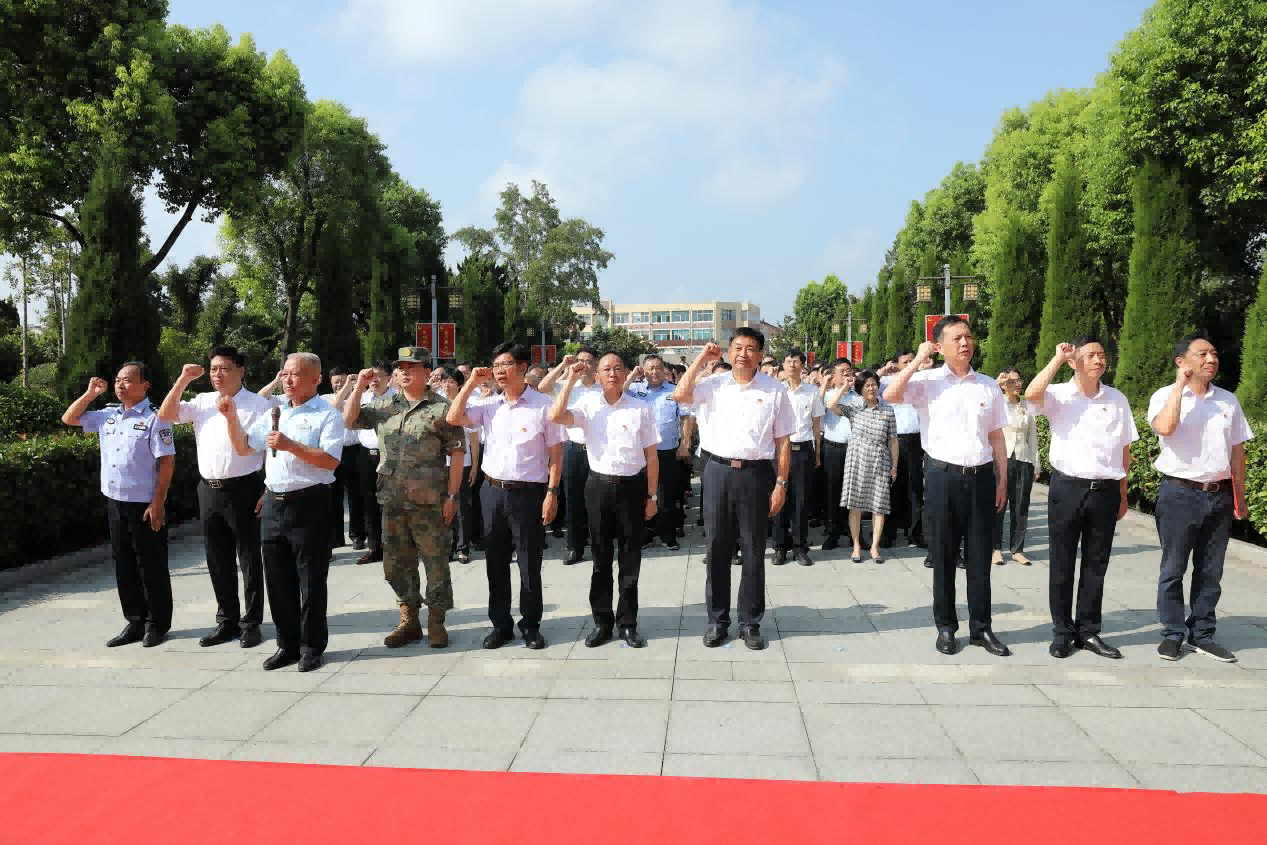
930,322
552,354
842,350
811,357
448,339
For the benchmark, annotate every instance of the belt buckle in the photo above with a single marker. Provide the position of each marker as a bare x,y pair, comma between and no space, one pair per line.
1098,484
1210,486
736,464
214,483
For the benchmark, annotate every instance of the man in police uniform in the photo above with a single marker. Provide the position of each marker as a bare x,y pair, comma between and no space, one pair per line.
303,452
137,458
658,393
228,492
418,493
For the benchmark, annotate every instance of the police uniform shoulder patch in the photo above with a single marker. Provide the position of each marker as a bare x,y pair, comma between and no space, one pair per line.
165,434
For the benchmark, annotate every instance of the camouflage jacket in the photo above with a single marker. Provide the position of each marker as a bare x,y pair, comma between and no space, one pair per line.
413,441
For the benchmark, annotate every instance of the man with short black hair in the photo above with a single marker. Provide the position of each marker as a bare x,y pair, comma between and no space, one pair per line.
836,433
575,461
791,525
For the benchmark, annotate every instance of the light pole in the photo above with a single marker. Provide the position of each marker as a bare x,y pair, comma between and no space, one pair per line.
413,302
971,290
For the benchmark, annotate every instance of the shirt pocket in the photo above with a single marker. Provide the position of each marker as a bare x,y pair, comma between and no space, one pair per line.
524,429
758,417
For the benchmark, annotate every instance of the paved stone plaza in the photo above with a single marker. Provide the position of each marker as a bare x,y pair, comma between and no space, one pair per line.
849,689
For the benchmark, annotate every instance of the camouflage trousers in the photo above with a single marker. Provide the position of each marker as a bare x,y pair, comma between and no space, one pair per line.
410,533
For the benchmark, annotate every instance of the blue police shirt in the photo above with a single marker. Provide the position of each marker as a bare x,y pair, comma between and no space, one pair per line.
315,423
665,410
132,441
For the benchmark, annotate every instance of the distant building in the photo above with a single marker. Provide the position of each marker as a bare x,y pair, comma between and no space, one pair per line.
679,329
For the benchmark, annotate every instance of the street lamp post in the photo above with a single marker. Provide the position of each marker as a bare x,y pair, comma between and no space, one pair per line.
924,293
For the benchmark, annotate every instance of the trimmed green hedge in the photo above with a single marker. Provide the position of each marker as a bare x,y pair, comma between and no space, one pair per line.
1144,481
50,494
25,413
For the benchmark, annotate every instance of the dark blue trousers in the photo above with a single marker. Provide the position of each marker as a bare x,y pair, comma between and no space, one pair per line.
1191,524
736,506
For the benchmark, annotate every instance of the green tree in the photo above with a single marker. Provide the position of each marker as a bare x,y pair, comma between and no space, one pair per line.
878,318
1164,287
898,324
1070,286
1018,291
624,343
1252,390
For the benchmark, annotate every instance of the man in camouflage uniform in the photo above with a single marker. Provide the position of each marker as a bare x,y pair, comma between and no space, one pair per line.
414,440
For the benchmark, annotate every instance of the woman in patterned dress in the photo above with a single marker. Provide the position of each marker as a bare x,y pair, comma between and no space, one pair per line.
1020,437
871,463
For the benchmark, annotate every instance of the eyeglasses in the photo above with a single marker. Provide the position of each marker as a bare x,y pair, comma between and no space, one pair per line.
503,367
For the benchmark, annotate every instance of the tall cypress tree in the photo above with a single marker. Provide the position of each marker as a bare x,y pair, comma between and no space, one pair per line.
1252,390
114,316
1068,297
877,318
1017,299
1164,281
898,323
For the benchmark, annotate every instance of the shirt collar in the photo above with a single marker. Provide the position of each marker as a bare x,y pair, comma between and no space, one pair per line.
1077,391
140,408
1187,388
948,374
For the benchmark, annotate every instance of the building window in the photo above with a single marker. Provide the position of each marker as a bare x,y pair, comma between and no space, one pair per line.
660,334
681,316
681,334
620,318
702,316
661,316
600,321
701,334
728,314
638,317
642,333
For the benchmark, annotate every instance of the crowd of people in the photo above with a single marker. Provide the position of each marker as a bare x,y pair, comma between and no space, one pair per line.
435,462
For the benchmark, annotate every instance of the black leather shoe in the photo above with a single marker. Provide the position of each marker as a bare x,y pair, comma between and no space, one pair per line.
632,638
496,639
250,637
752,637
946,642
358,544
802,558
310,661
673,546
573,559
928,563
280,659
130,634
598,636
959,564
153,637
780,557
990,643
1095,645
1061,647
534,640
832,542
223,633
715,636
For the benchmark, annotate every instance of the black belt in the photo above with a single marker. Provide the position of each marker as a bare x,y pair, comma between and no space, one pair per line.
1204,486
933,463
577,445
1087,483
221,483
801,446
301,493
373,453
515,485
603,478
910,434
736,463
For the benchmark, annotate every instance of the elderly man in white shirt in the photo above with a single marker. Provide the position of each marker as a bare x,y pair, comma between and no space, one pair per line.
1203,432
965,482
1092,429
745,420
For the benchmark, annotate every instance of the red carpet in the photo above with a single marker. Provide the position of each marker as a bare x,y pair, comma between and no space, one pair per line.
49,798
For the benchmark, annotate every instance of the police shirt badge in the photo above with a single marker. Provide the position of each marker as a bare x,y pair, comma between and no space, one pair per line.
165,435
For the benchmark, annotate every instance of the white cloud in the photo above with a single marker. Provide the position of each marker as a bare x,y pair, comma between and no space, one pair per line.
854,257
743,179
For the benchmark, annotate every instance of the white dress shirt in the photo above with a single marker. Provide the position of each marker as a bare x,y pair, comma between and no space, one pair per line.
807,406
616,435
368,437
1209,426
517,436
956,415
217,459
905,414
315,423
742,421
350,437
1088,433
579,392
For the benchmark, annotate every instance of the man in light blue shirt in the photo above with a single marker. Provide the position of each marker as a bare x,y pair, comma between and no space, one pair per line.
836,434
657,392
137,458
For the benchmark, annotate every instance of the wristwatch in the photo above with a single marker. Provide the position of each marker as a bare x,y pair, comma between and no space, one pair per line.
554,490
453,497
782,482
651,496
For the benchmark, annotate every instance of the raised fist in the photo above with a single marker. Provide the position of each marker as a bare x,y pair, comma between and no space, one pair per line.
225,405
480,375
365,378
1183,376
712,352
638,374
96,387
1066,352
927,350
191,372
578,369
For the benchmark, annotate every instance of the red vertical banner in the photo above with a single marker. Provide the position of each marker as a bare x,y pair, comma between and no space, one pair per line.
552,354
536,354
811,357
857,352
422,334
447,340
842,349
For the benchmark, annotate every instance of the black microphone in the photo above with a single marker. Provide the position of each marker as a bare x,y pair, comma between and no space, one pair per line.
277,417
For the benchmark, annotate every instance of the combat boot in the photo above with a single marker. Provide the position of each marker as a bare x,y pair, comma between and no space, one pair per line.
435,628
408,631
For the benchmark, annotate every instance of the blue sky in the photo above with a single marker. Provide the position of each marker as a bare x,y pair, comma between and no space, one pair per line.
729,150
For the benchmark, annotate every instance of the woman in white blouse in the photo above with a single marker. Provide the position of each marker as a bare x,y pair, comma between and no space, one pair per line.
1021,438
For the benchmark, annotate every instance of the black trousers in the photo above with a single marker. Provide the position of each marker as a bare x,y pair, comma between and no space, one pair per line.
959,508
835,518
477,510
668,497
463,525
1079,517
295,528
791,524
512,523
616,506
576,470
350,467
367,485
1020,482
231,537
907,492
736,504
140,566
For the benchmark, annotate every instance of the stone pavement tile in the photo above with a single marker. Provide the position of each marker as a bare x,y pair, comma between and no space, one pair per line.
876,730
474,663
414,757
1151,735
490,724
376,683
588,762
1110,696
163,678
284,680
1222,698
60,676
1055,773
748,671
49,744
874,770
1248,726
95,710
1017,733
1013,695
328,754
849,692
748,766
1189,672
586,725
193,749
403,661
219,714
705,670
580,669
662,645
734,691
1181,778
347,718
613,689
205,659
704,727
495,686
690,646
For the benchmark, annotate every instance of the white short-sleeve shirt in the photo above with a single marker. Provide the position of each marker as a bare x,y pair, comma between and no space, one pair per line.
1200,449
807,406
315,423
616,434
956,415
217,459
579,392
742,421
1088,433
517,436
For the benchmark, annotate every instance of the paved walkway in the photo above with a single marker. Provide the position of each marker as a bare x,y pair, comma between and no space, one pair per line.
849,689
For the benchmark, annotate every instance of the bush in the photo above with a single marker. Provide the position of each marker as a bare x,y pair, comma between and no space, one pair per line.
25,413
50,494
